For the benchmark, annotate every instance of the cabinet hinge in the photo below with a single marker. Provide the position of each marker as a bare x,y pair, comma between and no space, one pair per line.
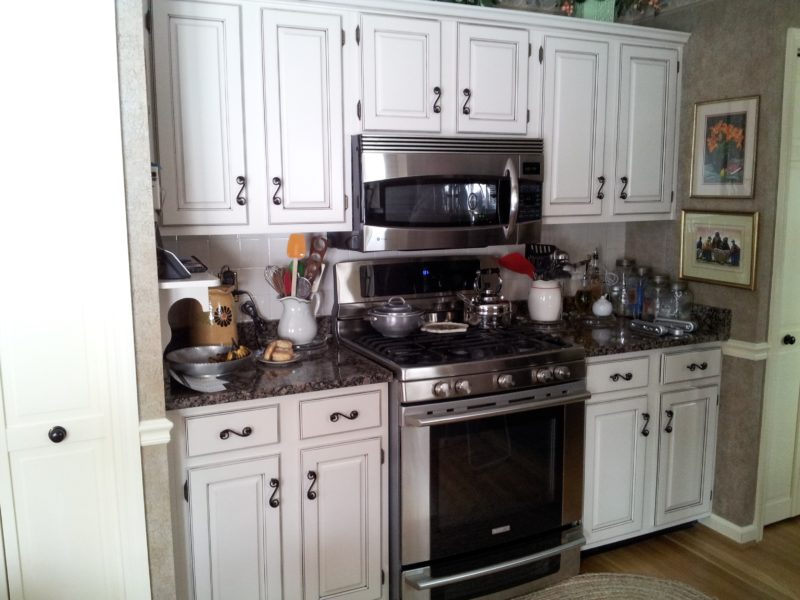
672,197
148,20
679,66
711,496
346,201
342,37
530,49
383,456
528,116
358,34
186,490
383,577
541,54
358,110
717,399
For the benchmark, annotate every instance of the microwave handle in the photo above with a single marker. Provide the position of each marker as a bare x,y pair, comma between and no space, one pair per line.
511,170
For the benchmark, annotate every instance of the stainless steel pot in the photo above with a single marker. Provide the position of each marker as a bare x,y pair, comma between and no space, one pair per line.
486,308
395,318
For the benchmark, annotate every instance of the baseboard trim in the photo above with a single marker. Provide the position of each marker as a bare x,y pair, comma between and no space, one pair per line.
746,350
730,530
154,432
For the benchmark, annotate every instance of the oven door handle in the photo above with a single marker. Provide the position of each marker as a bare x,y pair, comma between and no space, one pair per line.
420,581
423,421
513,210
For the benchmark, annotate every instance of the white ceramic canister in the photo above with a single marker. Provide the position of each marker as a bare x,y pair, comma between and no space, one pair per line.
544,300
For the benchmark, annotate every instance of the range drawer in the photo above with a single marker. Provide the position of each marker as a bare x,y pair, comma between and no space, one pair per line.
690,365
232,430
340,414
616,375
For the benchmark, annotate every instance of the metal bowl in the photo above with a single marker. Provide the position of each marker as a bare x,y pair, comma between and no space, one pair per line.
195,361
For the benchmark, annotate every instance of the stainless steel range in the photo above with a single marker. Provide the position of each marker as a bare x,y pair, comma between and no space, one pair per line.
486,437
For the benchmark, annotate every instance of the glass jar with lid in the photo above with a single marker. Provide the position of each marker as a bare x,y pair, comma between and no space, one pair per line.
683,300
627,287
657,296
642,278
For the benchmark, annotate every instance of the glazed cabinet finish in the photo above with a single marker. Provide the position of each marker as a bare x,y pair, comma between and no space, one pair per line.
300,514
650,445
197,53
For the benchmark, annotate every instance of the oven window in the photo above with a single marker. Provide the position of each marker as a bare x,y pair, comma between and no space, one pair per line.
495,480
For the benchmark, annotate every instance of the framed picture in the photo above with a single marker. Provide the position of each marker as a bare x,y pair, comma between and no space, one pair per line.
719,247
724,148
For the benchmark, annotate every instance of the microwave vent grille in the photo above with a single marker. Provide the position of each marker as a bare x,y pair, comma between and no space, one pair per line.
377,143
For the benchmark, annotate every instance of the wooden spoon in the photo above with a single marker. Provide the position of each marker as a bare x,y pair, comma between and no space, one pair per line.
295,249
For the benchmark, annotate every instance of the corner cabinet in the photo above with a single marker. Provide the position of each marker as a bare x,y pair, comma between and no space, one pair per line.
282,497
650,441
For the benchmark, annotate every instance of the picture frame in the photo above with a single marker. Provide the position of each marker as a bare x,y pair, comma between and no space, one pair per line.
719,247
724,148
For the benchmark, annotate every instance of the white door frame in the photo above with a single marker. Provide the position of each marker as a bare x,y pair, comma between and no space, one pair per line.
776,333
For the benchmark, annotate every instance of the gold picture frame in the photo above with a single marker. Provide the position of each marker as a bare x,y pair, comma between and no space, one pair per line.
724,148
719,247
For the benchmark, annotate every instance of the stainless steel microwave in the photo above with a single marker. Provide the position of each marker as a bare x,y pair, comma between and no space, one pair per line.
425,193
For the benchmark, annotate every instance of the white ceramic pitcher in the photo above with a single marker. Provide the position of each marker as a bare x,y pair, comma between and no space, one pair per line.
298,322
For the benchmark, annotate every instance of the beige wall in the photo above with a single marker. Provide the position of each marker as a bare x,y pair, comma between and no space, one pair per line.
736,49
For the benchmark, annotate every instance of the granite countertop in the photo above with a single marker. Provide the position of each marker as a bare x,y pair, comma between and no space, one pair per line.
335,366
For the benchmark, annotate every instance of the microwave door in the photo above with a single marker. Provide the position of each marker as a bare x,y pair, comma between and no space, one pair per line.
510,171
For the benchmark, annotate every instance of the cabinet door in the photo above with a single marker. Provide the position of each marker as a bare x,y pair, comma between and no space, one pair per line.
235,531
198,79
303,103
646,130
574,118
341,516
687,440
492,93
616,436
401,61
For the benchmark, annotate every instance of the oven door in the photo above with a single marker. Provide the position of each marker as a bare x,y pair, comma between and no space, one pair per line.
491,491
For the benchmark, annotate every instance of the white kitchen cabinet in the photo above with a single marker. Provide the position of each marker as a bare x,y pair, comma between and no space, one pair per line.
282,497
197,55
401,73
650,441
303,115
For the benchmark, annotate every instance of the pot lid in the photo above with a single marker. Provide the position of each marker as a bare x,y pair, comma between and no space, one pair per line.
396,306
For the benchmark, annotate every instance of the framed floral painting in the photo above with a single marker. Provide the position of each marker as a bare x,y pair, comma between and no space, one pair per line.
724,148
719,247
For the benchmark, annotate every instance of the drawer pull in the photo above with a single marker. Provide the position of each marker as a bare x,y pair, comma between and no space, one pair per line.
645,431
226,433
617,376
273,501
312,476
694,366
353,415
670,414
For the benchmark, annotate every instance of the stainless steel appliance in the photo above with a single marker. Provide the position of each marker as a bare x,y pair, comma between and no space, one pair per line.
486,434
420,193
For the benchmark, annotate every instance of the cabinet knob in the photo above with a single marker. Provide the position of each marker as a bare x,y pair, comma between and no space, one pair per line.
789,340
57,434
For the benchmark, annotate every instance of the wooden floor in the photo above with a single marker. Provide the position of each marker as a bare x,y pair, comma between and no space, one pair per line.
712,563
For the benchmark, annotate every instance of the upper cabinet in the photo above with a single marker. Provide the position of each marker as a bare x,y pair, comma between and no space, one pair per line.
421,75
609,115
197,53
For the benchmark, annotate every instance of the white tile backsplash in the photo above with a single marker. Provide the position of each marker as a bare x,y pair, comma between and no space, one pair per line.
580,240
254,251
196,246
224,250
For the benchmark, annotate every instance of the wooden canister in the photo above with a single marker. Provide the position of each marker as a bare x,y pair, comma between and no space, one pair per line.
217,324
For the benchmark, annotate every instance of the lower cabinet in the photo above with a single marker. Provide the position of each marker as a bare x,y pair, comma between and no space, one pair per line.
650,441
282,497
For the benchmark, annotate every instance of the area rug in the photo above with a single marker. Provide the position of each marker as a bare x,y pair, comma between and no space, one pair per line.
616,586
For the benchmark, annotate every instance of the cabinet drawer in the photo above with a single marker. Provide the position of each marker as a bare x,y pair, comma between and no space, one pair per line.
618,375
340,414
232,430
689,365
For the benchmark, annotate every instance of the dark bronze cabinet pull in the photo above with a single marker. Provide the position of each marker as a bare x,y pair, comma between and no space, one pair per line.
240,198
226,433
789,340
617,376
275,198
602,181
623,194
273,501
312,477
57,434
694,366
353,415
645,431
466,109
437,108
670,414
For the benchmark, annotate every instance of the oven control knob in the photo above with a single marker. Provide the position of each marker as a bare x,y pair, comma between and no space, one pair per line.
562,372
544,375
505,381
463,387
441,389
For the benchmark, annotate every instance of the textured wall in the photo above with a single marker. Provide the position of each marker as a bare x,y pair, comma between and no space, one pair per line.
736,49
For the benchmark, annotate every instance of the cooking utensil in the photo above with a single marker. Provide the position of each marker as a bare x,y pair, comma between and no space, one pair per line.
318,279
486,308
517,263
319,246
303,288
194,361
395,318
295,249
274,277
